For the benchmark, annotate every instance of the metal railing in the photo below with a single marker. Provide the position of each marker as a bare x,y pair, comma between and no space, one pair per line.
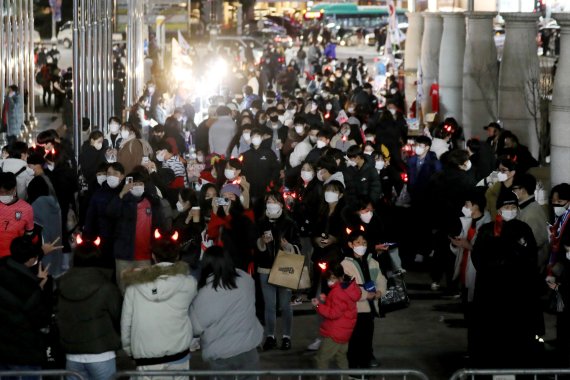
511,374
40,374
404,374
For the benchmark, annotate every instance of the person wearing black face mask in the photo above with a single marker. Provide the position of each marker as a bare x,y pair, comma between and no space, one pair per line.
279,131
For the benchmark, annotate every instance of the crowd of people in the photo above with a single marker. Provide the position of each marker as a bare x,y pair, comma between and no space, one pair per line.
161,237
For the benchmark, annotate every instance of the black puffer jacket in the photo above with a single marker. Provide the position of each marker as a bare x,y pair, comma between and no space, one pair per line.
24,310
88,311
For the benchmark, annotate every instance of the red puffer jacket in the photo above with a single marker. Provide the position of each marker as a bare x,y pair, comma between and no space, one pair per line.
339,312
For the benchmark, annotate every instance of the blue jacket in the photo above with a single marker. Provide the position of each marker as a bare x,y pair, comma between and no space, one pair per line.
418,180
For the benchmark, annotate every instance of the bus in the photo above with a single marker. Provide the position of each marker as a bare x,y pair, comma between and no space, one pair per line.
350,15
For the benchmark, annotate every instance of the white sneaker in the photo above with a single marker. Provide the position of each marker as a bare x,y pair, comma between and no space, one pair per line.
419,258
195,344
315,345
435,286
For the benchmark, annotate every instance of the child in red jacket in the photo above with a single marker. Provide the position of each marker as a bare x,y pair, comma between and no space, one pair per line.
339,313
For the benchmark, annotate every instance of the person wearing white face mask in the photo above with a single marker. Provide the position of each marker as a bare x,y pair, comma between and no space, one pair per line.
97,223
366,272
504,256
260,165
17,215
172,161
507,169
17,163
362,179
278,232
91,157
113,137
189,225
304,147
133,148
136,212
560,201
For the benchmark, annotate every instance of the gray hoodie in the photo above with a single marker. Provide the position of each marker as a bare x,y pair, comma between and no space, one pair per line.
226,319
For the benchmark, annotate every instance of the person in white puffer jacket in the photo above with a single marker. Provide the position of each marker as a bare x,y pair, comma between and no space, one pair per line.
155,327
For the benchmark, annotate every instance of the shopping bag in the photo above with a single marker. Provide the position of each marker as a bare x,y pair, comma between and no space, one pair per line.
305,282
396,296
287,270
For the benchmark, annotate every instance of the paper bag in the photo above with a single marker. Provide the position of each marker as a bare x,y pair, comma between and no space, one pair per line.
287,269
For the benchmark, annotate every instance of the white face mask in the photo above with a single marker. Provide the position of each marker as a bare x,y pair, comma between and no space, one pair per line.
360,250
567,255
366,217
468,166
137,191
230,174
114,128
160,156
113,181
179,206
256,140
125,134
246,136
466,212
509,214
98,145
51,166
330,283
5,199
502,177
299,129
559,210
368,152
273,210
199,158
379,165
350,110
307,175
419,150
392,111
313,107
328,107
101,178
331,196
321,144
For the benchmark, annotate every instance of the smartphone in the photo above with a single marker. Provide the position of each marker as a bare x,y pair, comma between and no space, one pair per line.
129,180
390,244
222,201
145,160
268,234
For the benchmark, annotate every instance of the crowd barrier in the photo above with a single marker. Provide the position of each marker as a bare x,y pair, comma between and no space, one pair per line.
388,374
512,374
43,374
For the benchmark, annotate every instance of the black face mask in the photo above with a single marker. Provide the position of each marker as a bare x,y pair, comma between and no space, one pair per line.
274,118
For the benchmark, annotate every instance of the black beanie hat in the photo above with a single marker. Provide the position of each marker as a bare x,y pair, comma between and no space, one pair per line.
507,198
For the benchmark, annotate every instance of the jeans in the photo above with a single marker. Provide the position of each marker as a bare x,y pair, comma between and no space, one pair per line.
270,297
246,361
93,371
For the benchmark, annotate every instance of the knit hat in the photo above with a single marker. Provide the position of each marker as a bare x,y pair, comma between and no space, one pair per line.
231,188
507,198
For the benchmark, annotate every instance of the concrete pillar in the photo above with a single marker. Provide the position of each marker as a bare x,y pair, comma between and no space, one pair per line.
431,41
519,78
412,55
451,56
480,74
560,108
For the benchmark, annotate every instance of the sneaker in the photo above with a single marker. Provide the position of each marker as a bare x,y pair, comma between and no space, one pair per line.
374,363
296,302
435,286
315,345
285,344
195,344
419,258
270,343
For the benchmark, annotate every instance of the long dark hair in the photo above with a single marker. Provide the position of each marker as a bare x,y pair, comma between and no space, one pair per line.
217,262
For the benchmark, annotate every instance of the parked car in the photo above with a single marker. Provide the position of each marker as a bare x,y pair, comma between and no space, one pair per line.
234,45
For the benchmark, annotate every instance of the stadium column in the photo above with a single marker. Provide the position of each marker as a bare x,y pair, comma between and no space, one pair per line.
480,74
519,79
431,42
412,55
560,108
451,55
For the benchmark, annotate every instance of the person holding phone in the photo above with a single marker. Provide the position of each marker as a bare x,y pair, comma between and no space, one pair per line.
279,233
